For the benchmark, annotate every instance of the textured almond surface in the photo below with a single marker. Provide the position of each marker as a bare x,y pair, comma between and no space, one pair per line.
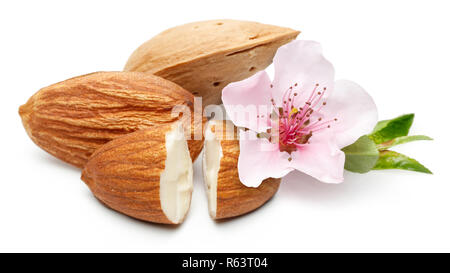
233,197
203,57
73,118
124,174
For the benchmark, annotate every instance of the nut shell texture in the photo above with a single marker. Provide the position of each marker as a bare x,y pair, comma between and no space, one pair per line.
203,57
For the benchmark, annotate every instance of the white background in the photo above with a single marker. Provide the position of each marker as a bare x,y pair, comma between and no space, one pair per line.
397,50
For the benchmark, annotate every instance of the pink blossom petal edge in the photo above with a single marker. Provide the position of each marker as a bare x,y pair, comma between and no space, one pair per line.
259,159
355,111
301,62
248,99
323,161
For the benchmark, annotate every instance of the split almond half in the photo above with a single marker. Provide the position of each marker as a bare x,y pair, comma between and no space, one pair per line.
73,118
227,196
146,174
203,57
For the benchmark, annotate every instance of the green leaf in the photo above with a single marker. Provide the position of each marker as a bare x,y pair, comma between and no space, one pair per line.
386,130
394,160
380,125
400,140
361,156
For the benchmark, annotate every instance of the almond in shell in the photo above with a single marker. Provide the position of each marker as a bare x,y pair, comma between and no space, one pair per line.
203,57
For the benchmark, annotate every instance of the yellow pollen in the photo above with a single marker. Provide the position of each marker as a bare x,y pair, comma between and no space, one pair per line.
293,111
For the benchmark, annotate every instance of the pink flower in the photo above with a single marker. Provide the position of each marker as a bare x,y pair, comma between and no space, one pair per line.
301,120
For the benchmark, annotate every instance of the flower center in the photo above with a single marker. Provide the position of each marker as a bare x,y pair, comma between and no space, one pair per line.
296,122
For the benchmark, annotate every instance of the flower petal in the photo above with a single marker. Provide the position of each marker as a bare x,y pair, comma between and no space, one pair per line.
259,159
323,161
354,109
247,102
301,62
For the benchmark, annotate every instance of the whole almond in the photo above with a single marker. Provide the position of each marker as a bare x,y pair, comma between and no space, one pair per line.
73,118
227,196
146,174
203,57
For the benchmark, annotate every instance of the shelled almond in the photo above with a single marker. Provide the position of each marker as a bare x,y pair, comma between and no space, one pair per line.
73,118
227,196
146,174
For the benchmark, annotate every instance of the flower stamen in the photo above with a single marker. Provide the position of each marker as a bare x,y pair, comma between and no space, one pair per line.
294,120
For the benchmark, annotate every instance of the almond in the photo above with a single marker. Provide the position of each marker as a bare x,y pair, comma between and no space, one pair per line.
146,174
73,118
203,57
227,196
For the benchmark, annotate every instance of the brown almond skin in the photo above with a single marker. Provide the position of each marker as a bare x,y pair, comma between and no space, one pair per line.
124,174
233,197
203,57
73,118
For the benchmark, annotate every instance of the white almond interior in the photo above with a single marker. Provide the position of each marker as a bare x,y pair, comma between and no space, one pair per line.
212,155
176,181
